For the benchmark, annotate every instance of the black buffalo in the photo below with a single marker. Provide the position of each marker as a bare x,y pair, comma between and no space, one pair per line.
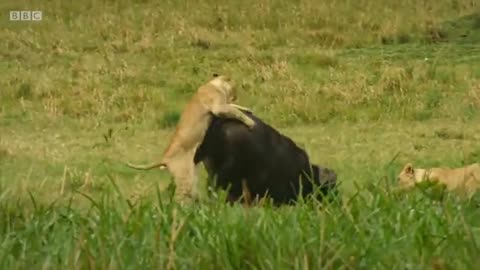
268,162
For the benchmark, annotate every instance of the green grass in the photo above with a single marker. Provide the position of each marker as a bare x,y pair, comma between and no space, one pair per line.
355,83
380,231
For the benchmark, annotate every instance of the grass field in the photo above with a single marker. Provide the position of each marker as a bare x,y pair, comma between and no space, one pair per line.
356,83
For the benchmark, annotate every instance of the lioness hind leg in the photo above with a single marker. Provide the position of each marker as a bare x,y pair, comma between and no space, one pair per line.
185,176
240,107
229,111
184,192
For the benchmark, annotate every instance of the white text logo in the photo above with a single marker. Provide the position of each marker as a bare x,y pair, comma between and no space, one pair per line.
25,15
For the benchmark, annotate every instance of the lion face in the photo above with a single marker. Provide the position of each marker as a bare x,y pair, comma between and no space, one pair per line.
406,178
225,84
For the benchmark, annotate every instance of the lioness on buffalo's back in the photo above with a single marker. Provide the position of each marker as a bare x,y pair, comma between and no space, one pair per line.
211,99
465,179
263,161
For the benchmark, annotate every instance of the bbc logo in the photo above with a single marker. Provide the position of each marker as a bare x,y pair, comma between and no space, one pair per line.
25,15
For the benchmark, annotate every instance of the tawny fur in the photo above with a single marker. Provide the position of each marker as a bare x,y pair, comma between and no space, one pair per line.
215,98
465,179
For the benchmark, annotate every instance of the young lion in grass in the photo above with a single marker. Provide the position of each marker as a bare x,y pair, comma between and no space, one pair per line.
215,98
465,179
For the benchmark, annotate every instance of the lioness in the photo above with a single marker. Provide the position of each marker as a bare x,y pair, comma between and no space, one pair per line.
212,98
465,179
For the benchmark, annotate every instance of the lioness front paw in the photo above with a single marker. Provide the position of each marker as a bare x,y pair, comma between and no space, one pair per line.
251,124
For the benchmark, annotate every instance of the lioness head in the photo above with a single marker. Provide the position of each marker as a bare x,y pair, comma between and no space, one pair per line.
226,85
409,176
406,177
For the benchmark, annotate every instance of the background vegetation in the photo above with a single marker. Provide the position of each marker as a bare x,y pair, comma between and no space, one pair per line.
355,83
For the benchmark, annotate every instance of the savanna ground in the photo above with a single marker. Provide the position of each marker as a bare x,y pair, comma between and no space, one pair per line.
364,86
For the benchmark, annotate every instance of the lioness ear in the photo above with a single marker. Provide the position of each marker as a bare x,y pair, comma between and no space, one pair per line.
408,168
215,75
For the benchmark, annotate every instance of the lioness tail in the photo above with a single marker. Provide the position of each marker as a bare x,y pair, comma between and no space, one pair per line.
162,166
